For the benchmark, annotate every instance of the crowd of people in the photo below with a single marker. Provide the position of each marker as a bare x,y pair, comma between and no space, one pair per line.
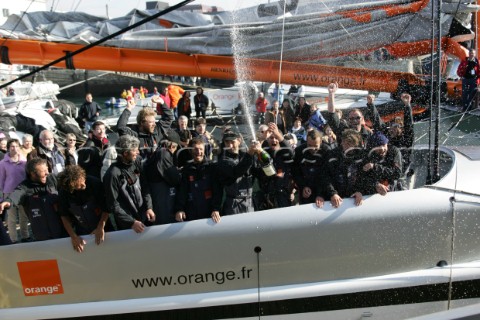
174,97
161,172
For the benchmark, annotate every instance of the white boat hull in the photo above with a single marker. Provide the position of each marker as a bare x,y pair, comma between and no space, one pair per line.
300,262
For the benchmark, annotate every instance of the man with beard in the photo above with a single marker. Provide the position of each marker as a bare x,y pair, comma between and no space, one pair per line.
39,197
234,174
345,174
126,199
82,206
48,150
309,170
162,178
90,156
383,165
198,195
278,188
147,130
355,119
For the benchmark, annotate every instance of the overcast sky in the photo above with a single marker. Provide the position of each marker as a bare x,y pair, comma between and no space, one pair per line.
121,7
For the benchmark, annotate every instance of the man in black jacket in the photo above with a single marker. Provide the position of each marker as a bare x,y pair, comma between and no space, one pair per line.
89,111
126,199
198,195
401,134
39,197
278,188
234,174
345,174
200,101
303,111
355,119
383,165
82,206
90,156
147,130
162,178
309,169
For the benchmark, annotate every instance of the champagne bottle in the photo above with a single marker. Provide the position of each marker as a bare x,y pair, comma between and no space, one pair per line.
267,163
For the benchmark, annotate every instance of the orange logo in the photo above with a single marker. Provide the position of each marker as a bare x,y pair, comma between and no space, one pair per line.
40,277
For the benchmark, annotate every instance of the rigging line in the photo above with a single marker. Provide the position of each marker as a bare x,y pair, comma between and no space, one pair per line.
419,138
138,4
56,6
444,118
453,126
458,6
281,52
78,4
96,43
82,81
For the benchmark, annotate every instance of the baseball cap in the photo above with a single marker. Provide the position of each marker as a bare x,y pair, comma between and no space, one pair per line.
230,135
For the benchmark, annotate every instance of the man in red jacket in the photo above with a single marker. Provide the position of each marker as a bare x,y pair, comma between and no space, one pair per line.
261,105
469,71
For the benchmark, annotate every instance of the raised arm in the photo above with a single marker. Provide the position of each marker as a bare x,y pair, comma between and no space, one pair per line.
332,88
123,120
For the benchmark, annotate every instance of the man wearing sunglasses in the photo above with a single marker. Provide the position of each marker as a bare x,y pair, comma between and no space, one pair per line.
355,119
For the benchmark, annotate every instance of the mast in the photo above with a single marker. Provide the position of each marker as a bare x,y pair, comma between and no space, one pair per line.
436,151
435,94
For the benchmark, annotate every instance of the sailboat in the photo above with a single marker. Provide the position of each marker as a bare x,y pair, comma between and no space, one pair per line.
404,255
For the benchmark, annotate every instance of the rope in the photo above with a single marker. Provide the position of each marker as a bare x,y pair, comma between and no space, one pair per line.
281,52
461,118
